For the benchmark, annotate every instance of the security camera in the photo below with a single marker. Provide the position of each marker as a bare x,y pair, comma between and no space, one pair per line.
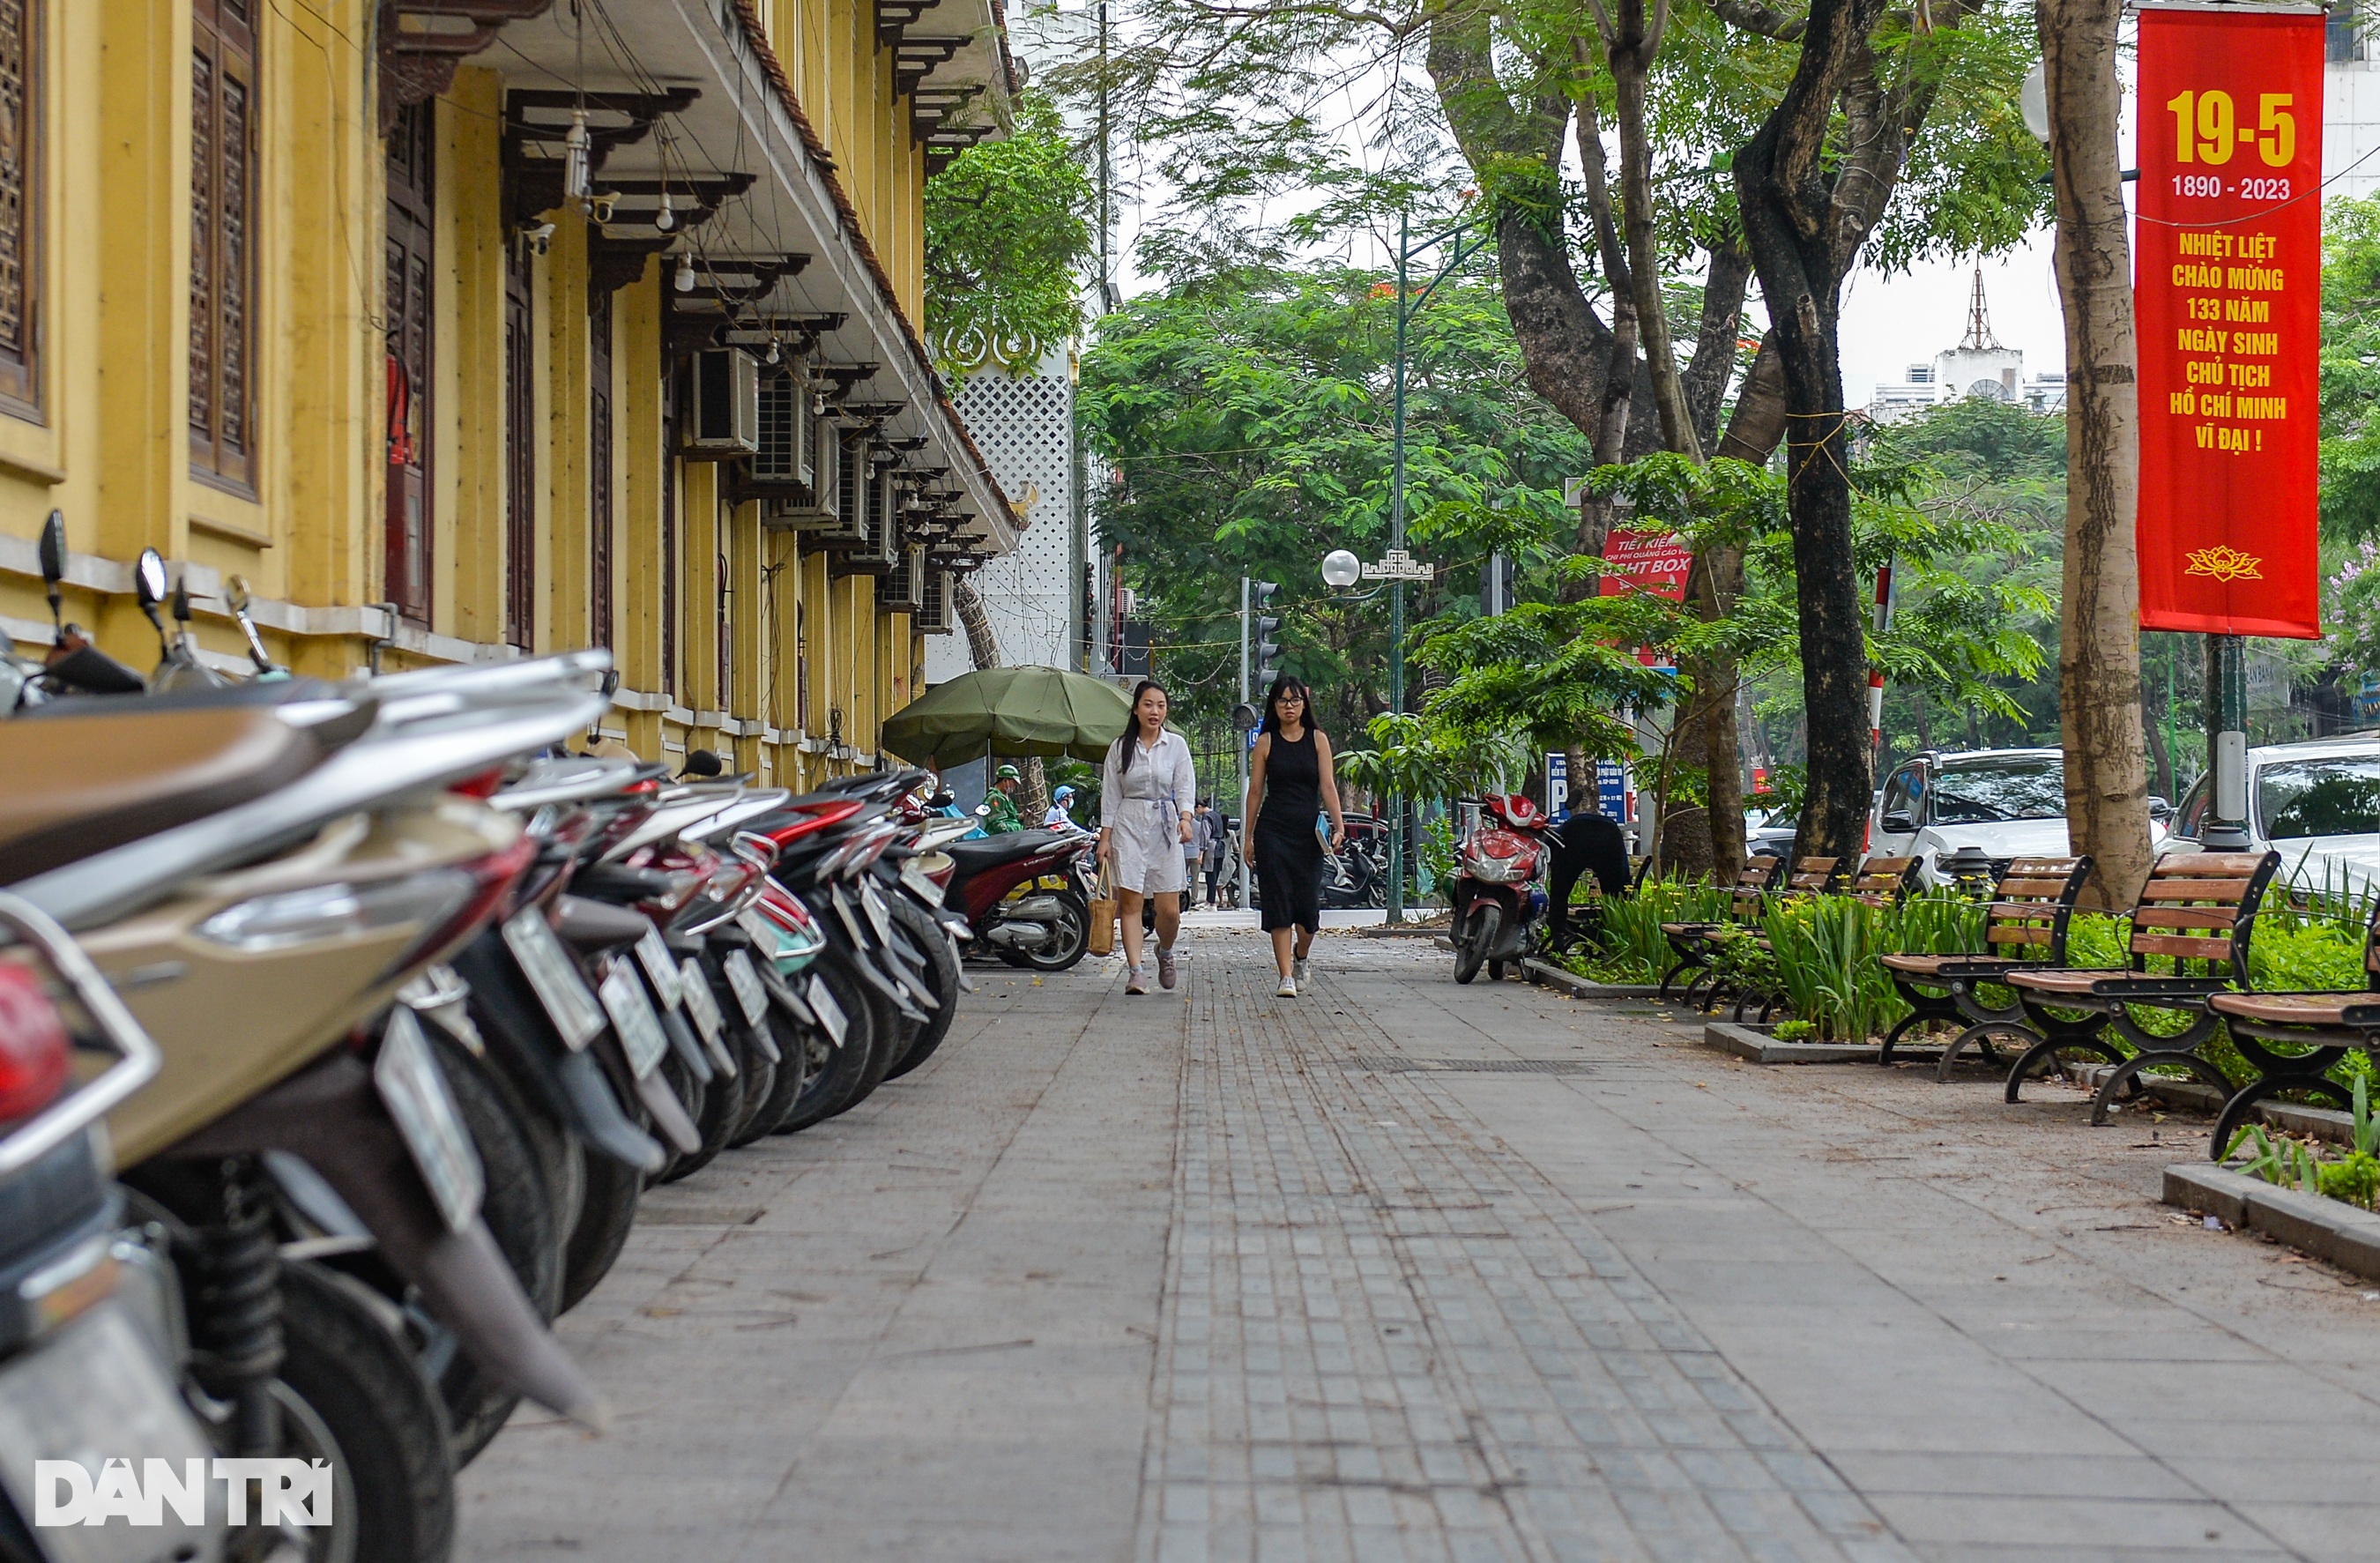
601,207
539,237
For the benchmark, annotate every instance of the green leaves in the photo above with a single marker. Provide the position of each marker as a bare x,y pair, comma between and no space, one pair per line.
1007,226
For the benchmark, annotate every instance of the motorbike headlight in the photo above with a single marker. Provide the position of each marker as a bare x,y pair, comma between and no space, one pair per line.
340,910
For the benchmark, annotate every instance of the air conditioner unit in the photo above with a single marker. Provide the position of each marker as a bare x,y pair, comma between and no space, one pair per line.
783,459
902,589
936,608
842,483
879,549
723,405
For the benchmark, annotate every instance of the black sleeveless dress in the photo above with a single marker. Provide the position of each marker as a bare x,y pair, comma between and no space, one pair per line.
1289,854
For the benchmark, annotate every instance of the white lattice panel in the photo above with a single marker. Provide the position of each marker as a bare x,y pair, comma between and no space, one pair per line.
1024,425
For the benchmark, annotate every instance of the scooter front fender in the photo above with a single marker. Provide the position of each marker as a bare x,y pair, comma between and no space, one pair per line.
330,1115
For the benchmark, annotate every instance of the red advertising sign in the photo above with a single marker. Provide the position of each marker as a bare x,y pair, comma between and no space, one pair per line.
1646,559
2227,294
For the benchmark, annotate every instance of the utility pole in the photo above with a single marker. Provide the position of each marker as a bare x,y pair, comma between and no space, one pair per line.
2227,744
1107,220
1238,737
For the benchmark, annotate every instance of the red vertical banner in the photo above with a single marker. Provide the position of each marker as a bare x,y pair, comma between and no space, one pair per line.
2228,293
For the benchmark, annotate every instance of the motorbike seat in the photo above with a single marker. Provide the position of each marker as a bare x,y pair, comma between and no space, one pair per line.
75,787
990,852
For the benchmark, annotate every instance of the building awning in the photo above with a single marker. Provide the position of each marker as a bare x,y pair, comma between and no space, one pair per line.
685,96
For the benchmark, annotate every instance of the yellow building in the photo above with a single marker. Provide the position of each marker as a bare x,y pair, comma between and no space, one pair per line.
465,329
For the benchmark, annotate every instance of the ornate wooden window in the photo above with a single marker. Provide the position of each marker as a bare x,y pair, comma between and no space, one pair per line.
411,153
21,204
222,241
520,451
599,464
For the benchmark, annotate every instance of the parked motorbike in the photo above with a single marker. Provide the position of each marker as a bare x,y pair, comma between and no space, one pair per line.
1498,893
259,881
1026,896
92,1356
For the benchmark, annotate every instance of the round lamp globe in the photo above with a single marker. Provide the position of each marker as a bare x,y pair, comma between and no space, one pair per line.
1342,569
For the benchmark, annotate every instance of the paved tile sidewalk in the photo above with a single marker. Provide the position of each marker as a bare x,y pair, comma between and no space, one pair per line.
1406,1270
1387,1338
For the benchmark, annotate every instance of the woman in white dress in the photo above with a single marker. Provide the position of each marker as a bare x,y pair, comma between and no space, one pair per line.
1149,791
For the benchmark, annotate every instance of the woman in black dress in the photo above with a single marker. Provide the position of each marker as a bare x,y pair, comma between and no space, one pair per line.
1290,783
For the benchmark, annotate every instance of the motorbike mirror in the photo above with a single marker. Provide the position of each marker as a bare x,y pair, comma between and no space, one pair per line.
235,593
54,559
941,799
149,579
983,811
149,587
182,600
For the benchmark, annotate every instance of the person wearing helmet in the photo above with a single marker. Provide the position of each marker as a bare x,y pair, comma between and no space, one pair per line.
1001,815
1057,819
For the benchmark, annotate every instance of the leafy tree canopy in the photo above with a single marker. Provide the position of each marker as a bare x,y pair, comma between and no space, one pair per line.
1245,412
2350,370
1008,225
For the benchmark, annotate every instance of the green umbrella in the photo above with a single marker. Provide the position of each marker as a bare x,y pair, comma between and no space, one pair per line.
1045,712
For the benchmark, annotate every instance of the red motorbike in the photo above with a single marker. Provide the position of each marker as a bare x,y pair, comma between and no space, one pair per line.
1499,891
1026,895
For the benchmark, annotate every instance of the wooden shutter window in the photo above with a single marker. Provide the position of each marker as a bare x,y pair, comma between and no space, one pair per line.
520,452
410,349
223,227
599,464
20,205
670,471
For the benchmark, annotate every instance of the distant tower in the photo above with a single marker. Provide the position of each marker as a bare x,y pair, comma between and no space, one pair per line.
1979,321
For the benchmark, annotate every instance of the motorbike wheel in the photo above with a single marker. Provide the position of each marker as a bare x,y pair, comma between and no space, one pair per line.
941,974
720,1115
606,1215
834,1072
354,1397
1073,937
524,1220
1486,925
895,1032
693,1096
760,1084
785,1086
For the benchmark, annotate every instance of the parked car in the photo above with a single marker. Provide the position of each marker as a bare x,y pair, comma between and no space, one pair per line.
2316,801
1773,836
2009,803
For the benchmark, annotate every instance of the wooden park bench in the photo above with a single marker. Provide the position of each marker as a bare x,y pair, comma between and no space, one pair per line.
2024,926
1694,943
2197,908
1885,881
1810,875
2321,1028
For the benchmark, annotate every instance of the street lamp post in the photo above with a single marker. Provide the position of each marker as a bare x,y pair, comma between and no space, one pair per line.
1396,568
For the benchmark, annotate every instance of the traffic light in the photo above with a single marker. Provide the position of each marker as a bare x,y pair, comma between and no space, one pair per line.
1496,583
1264,650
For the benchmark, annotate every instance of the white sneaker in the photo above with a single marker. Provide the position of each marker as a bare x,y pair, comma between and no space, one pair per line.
1288,988
1297,969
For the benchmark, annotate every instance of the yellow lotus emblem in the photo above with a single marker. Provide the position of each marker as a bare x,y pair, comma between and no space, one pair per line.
2225,564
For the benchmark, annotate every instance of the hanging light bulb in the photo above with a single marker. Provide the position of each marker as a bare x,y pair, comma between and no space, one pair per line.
576,179
773,353
686,273
668,218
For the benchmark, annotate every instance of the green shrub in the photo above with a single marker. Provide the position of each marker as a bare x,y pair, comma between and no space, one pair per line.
1635,948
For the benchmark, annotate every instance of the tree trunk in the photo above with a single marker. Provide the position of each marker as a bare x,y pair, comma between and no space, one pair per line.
983,651
1716,582
2099,650
1630,50
1786,203
1712,369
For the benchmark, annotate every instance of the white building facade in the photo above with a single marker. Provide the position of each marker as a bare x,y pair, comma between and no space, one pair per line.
1025,426
1977,367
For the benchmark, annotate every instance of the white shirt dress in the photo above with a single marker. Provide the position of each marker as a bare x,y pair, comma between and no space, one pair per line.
1142,810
